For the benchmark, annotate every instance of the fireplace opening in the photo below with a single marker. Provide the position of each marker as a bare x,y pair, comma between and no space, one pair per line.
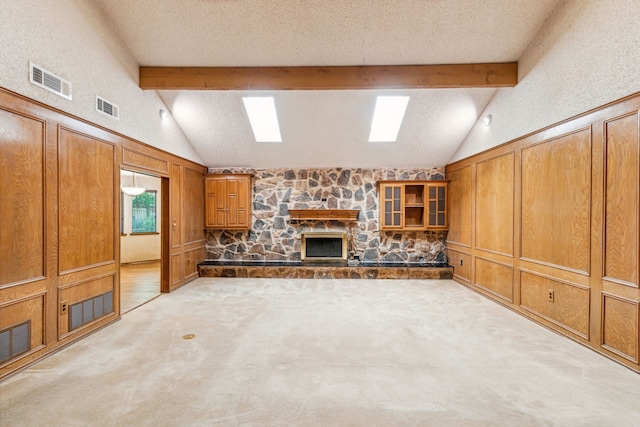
324,247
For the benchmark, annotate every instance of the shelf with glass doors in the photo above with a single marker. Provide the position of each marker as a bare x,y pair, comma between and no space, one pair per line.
413,205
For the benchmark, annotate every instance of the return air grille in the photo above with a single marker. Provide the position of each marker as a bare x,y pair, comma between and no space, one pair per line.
15,340
49,81
107,108
87,311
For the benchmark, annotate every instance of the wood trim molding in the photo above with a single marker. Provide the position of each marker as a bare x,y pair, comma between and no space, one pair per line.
147,161
330,78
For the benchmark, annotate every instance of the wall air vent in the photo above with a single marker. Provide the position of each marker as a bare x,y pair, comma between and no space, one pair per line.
49,81
15,340
107,108
87,311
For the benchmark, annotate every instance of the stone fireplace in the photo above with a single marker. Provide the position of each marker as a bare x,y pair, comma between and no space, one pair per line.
323,247
280,194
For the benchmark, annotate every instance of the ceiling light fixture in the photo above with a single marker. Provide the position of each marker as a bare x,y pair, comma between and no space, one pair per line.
263,118
387,118
133,190
163,114
487,119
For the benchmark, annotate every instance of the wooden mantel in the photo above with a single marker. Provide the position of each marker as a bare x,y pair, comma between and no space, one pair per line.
325,214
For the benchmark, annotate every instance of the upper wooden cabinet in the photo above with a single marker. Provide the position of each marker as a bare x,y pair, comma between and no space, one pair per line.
228,201
413,205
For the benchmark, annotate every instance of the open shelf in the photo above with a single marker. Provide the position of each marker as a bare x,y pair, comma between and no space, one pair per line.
414,216
413,195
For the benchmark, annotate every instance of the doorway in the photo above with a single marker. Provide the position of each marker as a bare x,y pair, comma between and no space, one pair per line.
141,228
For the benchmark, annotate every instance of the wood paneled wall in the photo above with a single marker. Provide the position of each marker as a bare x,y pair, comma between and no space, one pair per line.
60,198
549,225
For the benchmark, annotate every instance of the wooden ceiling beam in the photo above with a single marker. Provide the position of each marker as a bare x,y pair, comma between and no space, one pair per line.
331,78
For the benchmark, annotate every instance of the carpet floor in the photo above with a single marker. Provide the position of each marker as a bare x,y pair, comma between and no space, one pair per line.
277,352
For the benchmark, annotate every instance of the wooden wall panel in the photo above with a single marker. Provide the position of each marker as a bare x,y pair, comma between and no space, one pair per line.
568,307
187,206
191,261
622,183
86,200
576,217
59,219
620,320
494,204
25,309
175,201
81,291
497,278
460,206
461,263
556,201
21,198
193,203
177,269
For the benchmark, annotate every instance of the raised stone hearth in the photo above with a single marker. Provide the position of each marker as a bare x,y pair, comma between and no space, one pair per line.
297,270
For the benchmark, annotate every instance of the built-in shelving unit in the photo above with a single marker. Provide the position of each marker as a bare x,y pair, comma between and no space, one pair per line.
413,205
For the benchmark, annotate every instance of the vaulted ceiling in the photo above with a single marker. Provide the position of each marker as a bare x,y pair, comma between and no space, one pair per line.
325,128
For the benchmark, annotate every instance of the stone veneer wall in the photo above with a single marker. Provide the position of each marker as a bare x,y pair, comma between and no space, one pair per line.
275,237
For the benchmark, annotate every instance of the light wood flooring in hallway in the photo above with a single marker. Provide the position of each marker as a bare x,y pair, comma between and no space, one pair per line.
139,283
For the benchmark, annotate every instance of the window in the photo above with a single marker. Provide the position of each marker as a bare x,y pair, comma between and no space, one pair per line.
143,213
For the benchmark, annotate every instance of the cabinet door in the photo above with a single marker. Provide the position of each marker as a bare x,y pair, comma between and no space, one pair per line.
238,199
391,211
216,189
210,202
437,200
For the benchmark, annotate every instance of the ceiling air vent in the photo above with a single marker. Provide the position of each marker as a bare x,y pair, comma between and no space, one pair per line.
107,108
49,81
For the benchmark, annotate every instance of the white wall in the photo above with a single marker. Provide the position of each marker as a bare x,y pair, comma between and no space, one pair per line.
142,247
70,39
586,55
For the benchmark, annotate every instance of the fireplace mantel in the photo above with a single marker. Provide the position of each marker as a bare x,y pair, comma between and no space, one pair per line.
324,214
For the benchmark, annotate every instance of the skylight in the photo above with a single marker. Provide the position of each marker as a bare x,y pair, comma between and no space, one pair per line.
263,117
387,118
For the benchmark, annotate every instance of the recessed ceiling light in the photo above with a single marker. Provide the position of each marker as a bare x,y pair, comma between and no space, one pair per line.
387,118
263,117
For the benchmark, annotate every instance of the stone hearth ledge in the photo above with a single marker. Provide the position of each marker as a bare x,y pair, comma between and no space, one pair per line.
298,270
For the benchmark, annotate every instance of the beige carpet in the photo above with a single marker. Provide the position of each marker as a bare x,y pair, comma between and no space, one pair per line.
272,352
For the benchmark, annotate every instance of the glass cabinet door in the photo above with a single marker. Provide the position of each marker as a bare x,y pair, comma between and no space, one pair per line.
437,206
391,206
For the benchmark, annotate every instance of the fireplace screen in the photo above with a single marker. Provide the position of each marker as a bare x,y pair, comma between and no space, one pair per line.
324,247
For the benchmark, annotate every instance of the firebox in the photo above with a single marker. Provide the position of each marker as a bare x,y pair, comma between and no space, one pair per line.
324,247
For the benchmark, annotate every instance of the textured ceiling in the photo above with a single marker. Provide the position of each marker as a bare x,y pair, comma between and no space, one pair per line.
325,128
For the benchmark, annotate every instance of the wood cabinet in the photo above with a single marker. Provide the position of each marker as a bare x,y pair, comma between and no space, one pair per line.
413,205
228,201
